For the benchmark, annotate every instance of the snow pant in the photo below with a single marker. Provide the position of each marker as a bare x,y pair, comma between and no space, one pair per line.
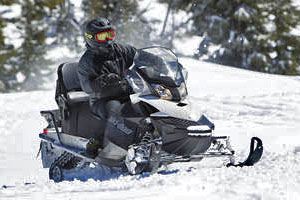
119,129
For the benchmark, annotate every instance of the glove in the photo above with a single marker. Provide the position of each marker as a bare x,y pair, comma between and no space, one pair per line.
126,87
112,79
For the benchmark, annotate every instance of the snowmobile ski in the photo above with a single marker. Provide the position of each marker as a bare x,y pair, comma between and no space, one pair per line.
255,154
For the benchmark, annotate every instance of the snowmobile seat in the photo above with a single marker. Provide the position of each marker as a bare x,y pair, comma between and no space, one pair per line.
71,89
73,104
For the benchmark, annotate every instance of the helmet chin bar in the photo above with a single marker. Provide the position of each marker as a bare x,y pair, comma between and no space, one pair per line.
104,48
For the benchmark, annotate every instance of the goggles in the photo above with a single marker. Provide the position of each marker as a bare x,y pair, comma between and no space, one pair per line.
103,36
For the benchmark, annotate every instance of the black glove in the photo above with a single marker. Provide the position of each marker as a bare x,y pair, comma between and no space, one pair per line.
112,79
126,87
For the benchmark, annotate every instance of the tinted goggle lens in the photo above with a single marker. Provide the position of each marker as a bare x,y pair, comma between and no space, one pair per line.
103,36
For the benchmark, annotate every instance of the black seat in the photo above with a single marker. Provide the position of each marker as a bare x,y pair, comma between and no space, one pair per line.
70,85
73,105
70,77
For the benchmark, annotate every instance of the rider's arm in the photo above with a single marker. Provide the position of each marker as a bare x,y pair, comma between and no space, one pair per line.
128,53
91,82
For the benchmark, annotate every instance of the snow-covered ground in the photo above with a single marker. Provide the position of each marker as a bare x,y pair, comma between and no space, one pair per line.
241,103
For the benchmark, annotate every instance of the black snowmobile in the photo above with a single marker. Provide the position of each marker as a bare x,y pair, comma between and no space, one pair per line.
170,130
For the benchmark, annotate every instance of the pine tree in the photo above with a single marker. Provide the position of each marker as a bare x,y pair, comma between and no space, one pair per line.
22,63
7,51
251,34
32,65
233,27
284,46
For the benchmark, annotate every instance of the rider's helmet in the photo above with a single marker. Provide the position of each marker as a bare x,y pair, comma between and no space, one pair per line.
99,34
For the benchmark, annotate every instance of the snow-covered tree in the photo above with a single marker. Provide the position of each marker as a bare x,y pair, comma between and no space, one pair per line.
251,34
7,51
23,46
282,45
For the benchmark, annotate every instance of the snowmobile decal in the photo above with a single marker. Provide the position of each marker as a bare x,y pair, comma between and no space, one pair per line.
120,125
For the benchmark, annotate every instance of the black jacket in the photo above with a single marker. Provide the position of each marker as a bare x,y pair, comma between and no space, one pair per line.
94,68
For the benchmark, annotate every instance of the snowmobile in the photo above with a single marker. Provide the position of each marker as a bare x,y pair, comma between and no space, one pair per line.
172,129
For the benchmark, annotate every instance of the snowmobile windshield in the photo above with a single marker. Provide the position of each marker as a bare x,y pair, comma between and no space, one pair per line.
157,69
159,66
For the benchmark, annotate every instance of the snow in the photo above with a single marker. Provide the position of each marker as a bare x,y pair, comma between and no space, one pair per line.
79,15
187,46
10,12
241,103
154,12
61,53
13,35
242,13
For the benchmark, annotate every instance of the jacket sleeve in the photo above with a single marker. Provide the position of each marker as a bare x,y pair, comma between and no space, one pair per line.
115,91
129,53
91,82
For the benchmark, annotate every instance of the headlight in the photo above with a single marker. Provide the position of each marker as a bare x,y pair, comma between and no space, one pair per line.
163,92
182,91
175,94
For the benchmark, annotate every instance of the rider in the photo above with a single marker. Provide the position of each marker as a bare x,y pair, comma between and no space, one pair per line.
101,73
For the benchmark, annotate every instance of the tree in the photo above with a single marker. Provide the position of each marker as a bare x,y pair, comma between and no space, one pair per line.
178,29
22,63
64,27
251,34
7,51
284,46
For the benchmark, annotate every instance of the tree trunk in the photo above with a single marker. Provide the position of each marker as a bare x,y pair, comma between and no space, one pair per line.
166,18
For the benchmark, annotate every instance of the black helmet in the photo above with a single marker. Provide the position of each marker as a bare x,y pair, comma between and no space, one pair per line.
94,27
